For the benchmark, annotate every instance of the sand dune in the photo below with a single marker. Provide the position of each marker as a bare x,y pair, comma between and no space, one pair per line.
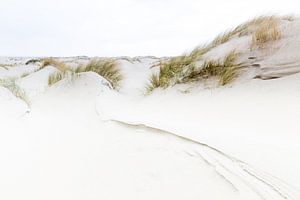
80,139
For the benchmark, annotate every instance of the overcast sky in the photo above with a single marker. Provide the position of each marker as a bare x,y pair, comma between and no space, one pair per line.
122,27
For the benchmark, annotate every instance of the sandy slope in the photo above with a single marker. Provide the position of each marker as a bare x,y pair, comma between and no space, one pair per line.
80,140
262,132
62,150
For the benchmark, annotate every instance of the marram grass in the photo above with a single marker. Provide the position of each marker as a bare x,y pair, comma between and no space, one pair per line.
108,69
15,89
55,77
179,71
61,66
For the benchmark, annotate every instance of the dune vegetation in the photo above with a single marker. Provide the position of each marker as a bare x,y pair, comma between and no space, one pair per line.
191,67
174,72
59,65
108,69
267,31
55,77
15,89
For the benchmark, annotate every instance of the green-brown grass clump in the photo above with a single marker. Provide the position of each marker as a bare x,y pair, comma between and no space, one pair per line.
54,78
171,71
225,70
61,66
108,69
266,32
177,72
178,69
153,83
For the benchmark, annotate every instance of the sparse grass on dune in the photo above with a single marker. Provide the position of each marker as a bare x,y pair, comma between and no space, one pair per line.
267,31
55,77
15,89
185,72
105,68
153,83
171,71
108,69
229,69
225,70
249,27
259,26
263,29
61,66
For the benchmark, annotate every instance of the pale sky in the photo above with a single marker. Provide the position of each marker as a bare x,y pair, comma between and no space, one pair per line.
122,27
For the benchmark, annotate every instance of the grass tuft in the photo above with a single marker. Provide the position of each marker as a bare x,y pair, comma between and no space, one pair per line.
181,70
108,69
225,70
153,83
15,89
54,78
61,66
229,70
267,31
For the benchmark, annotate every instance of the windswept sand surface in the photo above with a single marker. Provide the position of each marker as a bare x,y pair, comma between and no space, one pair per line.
62,150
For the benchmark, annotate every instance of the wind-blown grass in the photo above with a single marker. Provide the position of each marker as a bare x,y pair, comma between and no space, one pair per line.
229,69
262,28
54,78
108,69
172,70
153,83
185,72
267,31
184,68
15,89
225,70
61,66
